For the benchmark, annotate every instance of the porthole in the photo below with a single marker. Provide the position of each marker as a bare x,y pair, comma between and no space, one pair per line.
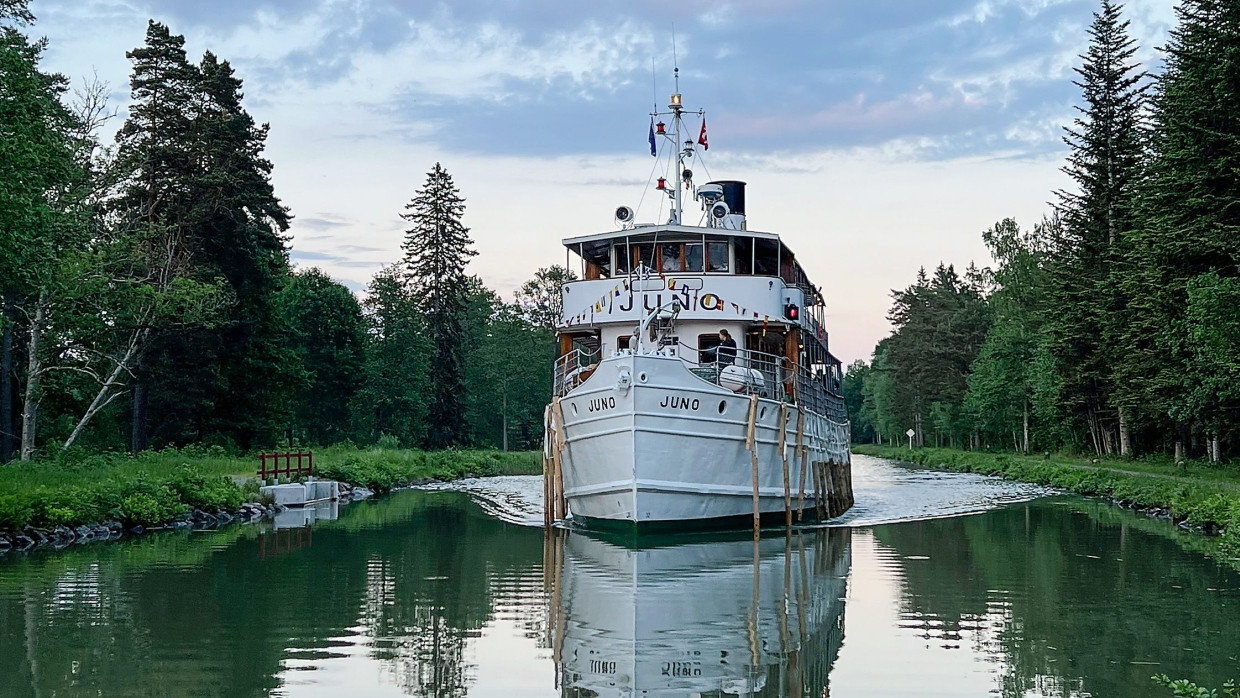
642,376
574,406
723,406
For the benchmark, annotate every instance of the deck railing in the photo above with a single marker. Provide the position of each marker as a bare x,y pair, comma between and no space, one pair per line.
766,375
573,368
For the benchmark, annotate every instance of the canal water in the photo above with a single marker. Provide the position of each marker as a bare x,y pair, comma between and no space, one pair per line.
938,585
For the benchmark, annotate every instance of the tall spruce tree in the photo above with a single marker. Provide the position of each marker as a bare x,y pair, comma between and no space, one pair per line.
1190,209
437,248
1106,142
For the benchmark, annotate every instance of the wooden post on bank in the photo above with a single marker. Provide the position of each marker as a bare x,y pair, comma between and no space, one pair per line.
752,445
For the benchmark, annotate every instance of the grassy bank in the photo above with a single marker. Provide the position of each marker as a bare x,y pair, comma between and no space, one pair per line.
156,488
1203,497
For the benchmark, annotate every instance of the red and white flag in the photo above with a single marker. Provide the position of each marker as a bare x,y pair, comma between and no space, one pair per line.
702,136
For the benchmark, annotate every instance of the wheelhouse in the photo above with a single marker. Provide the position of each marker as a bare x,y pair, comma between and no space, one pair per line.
747,283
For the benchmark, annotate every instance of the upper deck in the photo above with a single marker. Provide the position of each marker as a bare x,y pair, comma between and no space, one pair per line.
719,274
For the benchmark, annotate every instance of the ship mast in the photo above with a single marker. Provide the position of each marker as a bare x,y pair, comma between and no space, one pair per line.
676,107
684,150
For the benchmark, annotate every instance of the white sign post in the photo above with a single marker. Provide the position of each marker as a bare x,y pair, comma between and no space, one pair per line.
910,434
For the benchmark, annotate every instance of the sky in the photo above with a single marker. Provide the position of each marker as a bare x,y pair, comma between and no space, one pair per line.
876,136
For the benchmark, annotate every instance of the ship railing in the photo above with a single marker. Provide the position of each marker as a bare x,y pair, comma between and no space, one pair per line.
776,378
572,369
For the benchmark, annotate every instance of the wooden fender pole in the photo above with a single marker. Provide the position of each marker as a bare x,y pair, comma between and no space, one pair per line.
561,504
783,456
752,445
803,453
548,448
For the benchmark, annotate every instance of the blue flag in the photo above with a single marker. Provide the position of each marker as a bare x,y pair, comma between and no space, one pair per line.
653,150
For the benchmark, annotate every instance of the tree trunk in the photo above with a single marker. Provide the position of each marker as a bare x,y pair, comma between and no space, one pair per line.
1215,452
6,378
34,375
1095,434
138,441
107,392
1179,449
1125,434
1025,425
504,420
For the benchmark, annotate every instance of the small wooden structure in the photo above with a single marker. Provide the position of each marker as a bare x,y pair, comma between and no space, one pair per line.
295,463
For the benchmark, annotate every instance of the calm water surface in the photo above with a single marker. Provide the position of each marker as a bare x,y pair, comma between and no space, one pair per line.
939,585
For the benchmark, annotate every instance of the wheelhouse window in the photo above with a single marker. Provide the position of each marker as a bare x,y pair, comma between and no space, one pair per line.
643,256
671,260
766,257
702,255
693,256
717,256
622,259
744,255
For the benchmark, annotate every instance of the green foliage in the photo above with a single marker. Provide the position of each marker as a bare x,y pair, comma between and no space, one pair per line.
207,492
940,323
382,470
539,300
1183,688
391,399
327,334
853,388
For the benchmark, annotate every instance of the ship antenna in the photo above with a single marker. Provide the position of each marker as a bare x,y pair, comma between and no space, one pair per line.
676,107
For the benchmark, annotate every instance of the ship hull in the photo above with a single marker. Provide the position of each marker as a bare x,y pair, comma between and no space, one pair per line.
648,444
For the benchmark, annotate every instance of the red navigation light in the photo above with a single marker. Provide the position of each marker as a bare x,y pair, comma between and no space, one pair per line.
659,128
791,311
662,186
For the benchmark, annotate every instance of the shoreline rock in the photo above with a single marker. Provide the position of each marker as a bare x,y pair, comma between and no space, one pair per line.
30,538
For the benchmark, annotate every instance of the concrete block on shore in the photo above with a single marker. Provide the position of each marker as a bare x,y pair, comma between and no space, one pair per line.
323,489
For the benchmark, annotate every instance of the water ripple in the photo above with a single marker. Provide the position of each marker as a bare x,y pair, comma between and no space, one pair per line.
885,491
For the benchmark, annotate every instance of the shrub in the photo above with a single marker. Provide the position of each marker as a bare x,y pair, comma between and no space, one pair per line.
15,511
206,492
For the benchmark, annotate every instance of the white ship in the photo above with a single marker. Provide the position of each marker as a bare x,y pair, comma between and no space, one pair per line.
694,385
721,618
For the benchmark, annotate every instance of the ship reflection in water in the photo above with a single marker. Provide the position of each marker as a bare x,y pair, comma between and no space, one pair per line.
706,618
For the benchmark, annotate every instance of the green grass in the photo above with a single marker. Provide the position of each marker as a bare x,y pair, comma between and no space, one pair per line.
158,487
382,469
1202,499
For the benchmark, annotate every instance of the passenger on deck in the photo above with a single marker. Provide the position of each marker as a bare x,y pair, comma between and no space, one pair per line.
725,353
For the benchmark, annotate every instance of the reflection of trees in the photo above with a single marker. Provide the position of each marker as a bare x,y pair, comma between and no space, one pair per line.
1073,598
202,615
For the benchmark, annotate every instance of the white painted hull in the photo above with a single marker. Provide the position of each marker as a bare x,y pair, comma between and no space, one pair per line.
671,447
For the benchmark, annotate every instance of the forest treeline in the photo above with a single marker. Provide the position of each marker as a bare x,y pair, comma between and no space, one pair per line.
1112,326
149,300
